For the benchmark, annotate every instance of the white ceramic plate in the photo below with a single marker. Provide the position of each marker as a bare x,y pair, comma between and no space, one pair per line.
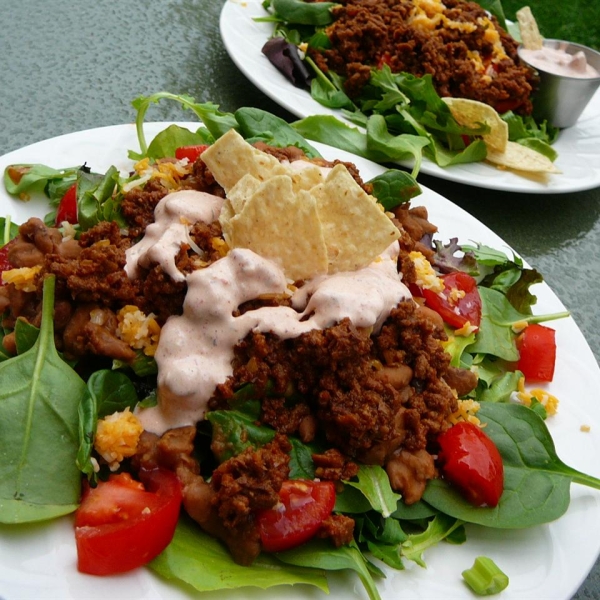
578,147
551,561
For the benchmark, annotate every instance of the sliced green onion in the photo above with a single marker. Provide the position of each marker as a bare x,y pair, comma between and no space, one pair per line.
485,577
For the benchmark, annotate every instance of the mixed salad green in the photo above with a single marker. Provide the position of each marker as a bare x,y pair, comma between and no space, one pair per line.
400,117
49,409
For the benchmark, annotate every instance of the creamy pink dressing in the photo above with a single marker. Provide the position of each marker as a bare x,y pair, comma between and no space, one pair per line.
559,62
196,349
173,216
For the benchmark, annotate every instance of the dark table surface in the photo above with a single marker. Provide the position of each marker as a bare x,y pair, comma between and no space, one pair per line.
67,66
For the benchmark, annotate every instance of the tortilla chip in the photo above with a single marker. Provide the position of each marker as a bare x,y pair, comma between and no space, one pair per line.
304,175
472,113
284,227
530,34
521,158
231,157
245,187
355,228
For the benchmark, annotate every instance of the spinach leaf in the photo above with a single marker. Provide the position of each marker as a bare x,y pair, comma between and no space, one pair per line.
186,558
142,365
320,554
536,481
304,13
167,141
393,188
374,483
495,336
329,130
113,392
259,125
107,392
39,401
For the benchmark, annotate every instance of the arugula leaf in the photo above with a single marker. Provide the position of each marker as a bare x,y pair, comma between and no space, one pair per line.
215,121
8,230
39,400
327,89
186,558
320,554
26,335
438,529
37,178
374,483
95,201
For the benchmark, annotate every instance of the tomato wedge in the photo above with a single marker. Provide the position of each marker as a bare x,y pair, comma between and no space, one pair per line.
67,209
537,352
122,524
303,506
471,462
190,152
459,303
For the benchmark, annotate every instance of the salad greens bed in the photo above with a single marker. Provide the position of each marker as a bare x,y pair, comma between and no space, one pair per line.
401,117
48,412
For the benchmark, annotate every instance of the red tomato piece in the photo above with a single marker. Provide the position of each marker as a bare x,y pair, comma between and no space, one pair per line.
5,264
303,506
471,462
122,524
384,59
67,209
460,301
537,352
190,152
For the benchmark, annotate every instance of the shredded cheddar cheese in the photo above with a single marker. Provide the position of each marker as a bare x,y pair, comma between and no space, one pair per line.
467,411
548,401
117,437
23,278
426,277
140,331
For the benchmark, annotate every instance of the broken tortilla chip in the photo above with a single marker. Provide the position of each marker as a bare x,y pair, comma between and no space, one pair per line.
231,157
521,158
471,113
355,228
284,227
530,34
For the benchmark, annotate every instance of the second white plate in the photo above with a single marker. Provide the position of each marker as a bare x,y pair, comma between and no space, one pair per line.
578,147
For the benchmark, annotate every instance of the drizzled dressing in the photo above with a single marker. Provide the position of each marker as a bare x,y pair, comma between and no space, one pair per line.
196,349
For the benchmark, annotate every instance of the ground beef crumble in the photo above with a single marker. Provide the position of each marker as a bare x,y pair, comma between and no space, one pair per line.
368,34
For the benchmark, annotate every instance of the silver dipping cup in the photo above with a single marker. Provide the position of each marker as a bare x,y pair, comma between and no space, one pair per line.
561,99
